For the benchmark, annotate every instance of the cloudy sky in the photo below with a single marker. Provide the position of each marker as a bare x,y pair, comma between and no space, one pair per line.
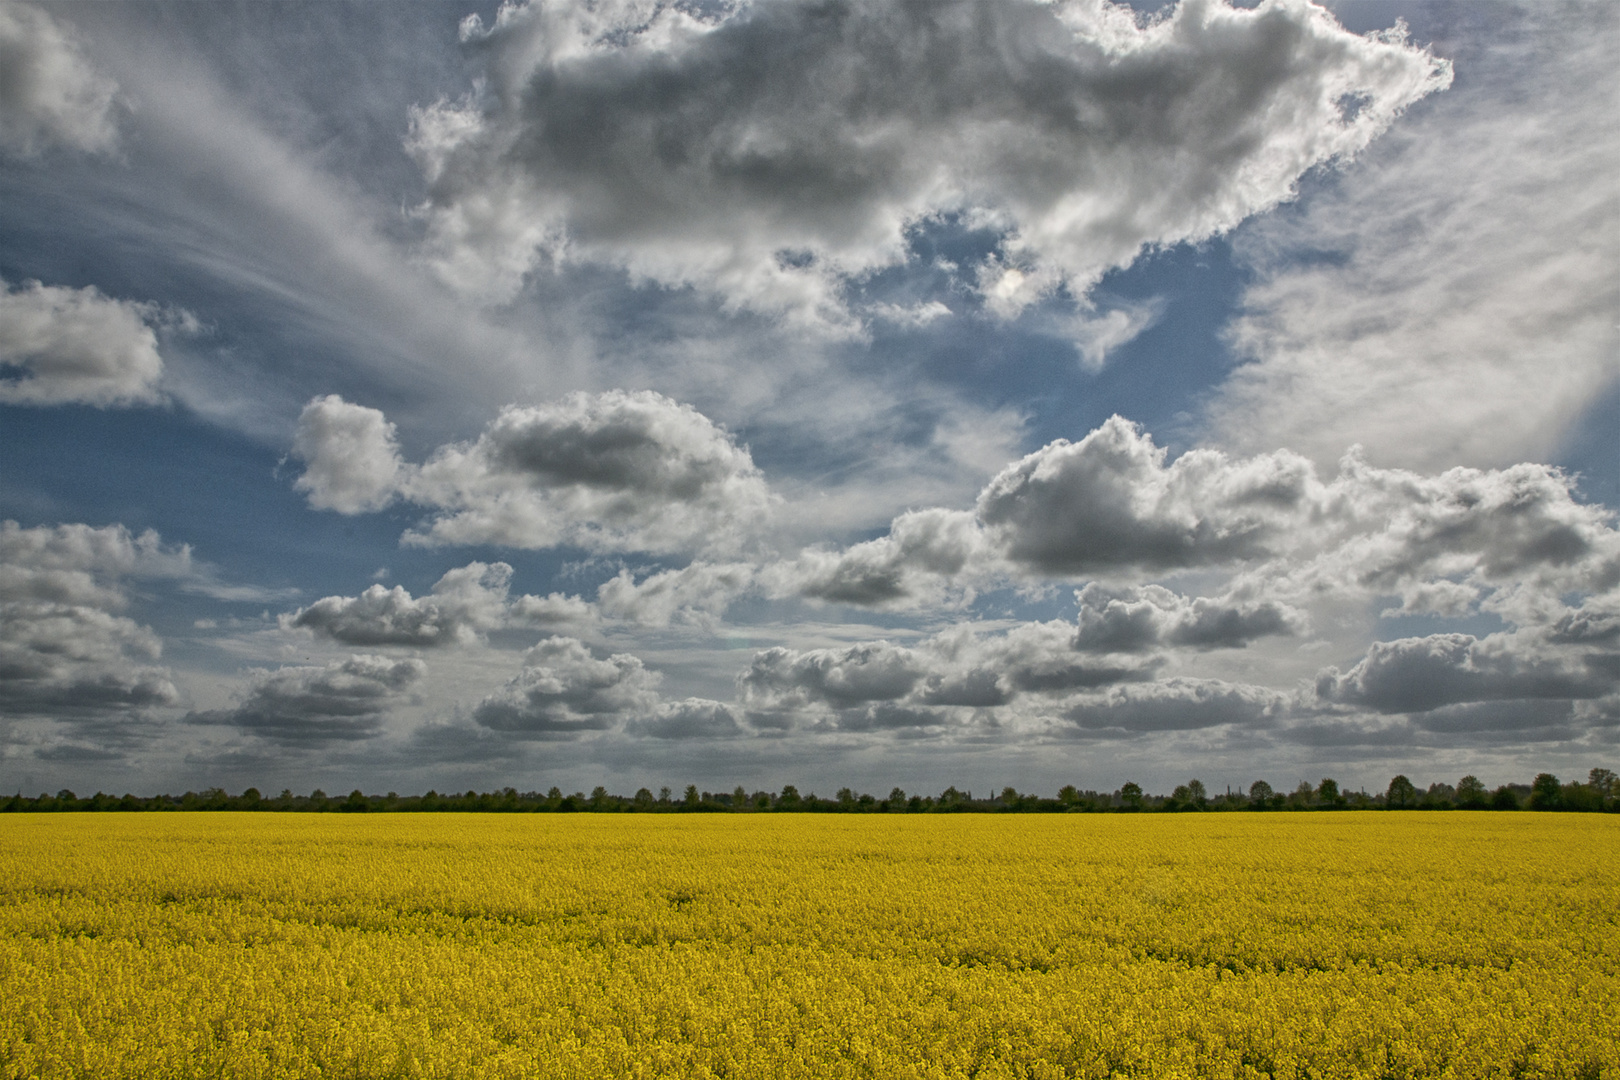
461,395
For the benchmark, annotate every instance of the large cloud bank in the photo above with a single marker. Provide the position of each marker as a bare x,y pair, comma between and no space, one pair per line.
776,151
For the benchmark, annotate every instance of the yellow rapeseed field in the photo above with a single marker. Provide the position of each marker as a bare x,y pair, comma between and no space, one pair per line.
1217,945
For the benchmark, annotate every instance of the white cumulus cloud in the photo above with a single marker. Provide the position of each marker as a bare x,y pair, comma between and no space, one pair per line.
50,95
618,470
61,345
465,603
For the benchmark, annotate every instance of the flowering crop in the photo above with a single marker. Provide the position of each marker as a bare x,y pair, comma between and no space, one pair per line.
1388,945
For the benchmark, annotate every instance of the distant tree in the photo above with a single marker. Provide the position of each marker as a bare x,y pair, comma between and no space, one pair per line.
356,803
663,796
1602,783
1401,795
789,799
1260,795
1545,792
691,798
1304,796
1009,797
1196,792
896,801
1327,792
846,798
644,799
1504,799
1131,795
1470,793
739,798
1068,795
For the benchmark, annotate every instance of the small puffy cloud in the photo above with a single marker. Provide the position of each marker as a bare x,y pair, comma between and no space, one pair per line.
1174,705
875,671
350,454
912,317
610,471
1109,502
75,346
699,592
775,152
921,548
563,691
344,701
1138,619
49,93
879,684
1098,335
614,470
465,603
65,652
694,718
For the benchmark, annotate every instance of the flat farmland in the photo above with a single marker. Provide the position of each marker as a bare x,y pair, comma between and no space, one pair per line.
763,945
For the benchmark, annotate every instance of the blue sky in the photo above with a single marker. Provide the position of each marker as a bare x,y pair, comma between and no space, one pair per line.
774,393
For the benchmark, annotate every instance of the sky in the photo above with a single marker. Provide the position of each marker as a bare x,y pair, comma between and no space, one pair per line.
888,394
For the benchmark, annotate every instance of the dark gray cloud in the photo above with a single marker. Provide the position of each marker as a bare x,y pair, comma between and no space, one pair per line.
780,149
694,718
876,671
344,701
65,652
1174,705
50,95
563,691
1414,675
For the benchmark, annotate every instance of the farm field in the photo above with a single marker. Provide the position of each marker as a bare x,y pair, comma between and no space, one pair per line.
1229,945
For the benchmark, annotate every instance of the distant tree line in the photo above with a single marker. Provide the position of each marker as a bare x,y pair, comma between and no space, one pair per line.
1600,793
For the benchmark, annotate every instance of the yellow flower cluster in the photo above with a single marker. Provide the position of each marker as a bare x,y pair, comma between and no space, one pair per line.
556,946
